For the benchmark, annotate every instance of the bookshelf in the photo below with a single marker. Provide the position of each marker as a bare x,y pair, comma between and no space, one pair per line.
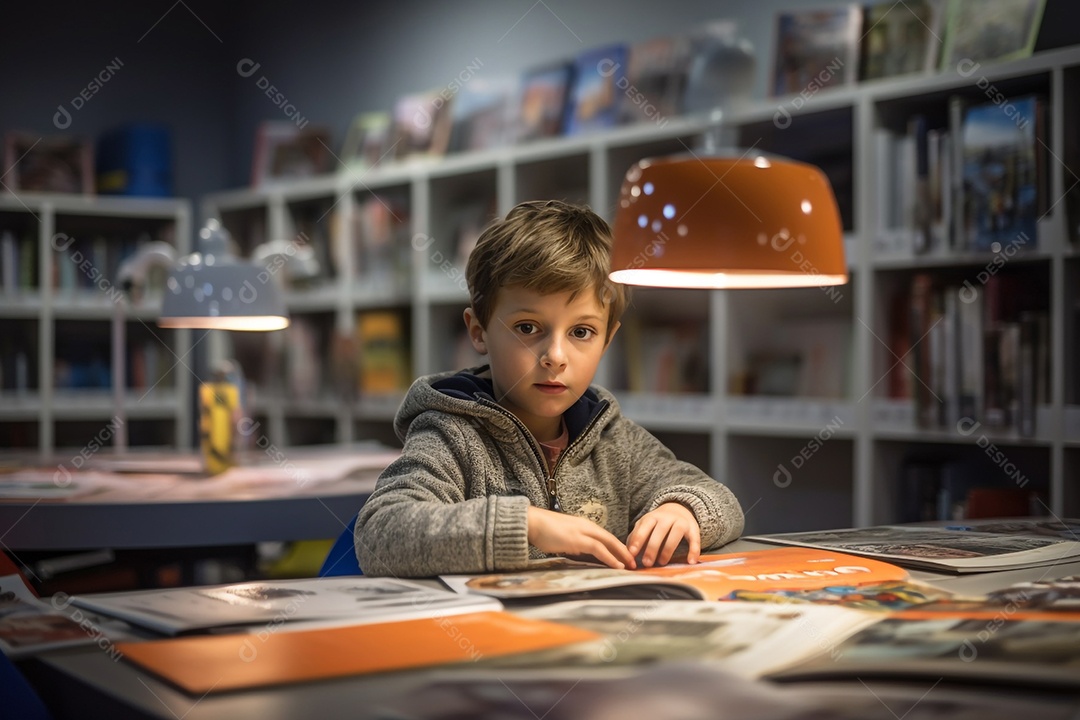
61,309
828,445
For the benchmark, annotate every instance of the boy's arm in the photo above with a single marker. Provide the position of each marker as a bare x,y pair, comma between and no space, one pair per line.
658,477
419,522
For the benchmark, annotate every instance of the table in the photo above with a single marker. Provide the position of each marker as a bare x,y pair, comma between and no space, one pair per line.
78,678
312,495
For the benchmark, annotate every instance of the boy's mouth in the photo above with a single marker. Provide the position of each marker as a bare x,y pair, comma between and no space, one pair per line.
552,387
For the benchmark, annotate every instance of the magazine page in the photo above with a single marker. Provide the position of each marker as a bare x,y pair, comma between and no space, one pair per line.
749,639
333,600
29,624
715,577
955,548
1026,633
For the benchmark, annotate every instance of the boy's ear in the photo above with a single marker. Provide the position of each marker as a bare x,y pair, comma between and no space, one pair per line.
611,334
477,335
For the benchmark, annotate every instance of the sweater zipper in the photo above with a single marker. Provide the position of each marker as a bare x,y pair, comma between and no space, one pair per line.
552,487
531,442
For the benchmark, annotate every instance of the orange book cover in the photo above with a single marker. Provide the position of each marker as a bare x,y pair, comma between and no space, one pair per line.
715,577
217,663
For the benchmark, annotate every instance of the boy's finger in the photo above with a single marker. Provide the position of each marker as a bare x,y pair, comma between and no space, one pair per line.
640,534
670,546
693,555
656,541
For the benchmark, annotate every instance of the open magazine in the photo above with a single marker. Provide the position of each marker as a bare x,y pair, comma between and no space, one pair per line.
282,604
715,577
969,546
1026,634
29,624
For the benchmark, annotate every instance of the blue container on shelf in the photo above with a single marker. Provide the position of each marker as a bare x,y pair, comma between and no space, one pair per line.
135,159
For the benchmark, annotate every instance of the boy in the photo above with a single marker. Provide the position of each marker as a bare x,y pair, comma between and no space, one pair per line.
521,458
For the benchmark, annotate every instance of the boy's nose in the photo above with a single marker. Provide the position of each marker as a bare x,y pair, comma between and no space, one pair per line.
553,355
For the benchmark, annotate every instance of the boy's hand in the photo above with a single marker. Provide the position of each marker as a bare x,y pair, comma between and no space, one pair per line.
658,533
558,534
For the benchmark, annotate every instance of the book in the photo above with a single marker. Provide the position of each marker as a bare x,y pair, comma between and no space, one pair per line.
815,49
978,31
200,665
367,140
284,151
976,546
383,365
594,97
480,114
57,163
281,604
715,577
544,101
900,39
421,125
655,80
1000,175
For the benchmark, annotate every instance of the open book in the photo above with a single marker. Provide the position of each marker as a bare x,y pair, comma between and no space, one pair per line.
29,624
715,577
968,546
282,604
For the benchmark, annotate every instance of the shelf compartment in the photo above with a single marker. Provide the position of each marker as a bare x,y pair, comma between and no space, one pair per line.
760,415
671,412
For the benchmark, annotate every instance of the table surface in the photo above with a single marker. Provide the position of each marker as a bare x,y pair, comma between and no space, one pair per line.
132,502
83,677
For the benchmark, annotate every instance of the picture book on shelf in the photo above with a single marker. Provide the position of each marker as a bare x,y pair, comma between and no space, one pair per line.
200,665
655,80
901,38
715,577
594,97
421,125
815,49
331,601
989,30
975,546
284,151
367,140
1001,174
544,101
480,115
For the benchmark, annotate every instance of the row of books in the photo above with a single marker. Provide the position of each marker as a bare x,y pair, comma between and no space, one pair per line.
827,604
978,184
149,365
18,262
970,352
953,490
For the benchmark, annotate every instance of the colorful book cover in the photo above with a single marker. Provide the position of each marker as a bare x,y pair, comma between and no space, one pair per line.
594,99
201,665
900,38
989,30
544,101
1000,175
816,49
384,358
714,578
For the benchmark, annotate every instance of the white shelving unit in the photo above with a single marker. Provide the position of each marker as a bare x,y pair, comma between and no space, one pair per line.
49,322
795,463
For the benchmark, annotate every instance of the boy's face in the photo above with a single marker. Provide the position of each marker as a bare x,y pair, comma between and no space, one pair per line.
543,351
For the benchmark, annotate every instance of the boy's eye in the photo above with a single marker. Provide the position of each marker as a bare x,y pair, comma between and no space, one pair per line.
525,328
582,333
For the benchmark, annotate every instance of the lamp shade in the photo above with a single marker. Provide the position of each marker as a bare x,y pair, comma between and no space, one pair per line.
213,290
727,222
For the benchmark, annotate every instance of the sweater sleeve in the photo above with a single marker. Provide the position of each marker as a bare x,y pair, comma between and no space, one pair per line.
420,521
659,477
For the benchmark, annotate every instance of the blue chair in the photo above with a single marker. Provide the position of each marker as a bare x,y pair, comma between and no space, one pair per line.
341,560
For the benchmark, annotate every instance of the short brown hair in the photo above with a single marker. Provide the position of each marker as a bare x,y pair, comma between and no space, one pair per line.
547,246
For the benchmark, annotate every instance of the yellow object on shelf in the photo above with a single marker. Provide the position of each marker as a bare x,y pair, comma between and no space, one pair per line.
219,403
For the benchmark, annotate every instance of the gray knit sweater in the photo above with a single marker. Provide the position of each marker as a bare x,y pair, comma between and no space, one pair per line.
456,499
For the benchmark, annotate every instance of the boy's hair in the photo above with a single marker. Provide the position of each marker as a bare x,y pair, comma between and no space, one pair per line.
547,246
